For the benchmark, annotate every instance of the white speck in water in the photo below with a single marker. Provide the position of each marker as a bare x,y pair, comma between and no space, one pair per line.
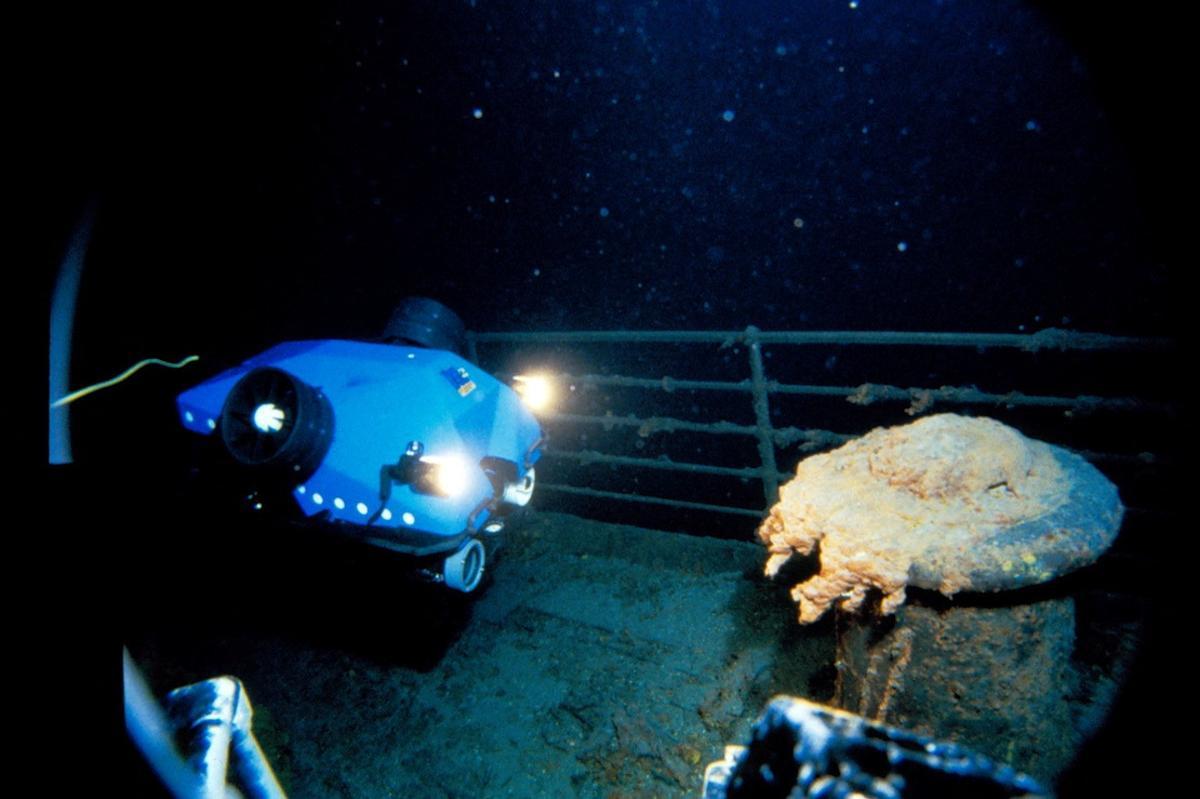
728,115
902,246
477,113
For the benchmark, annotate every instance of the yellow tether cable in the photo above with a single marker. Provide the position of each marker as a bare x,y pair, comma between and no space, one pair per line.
83,392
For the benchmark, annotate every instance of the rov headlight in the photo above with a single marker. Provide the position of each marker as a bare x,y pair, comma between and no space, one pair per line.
537,391
445,476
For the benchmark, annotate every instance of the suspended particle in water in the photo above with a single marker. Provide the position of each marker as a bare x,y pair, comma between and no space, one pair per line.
477,113
728,115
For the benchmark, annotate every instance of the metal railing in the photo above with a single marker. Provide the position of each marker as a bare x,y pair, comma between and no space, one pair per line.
760,389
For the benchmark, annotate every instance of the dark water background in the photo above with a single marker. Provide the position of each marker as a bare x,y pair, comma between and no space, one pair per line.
918,166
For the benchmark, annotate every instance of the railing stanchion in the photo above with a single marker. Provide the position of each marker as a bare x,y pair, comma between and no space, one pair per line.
762,418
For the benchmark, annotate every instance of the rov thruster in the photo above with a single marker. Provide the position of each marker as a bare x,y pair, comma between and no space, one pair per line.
401,442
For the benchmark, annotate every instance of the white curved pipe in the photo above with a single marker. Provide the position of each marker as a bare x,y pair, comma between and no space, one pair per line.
62,324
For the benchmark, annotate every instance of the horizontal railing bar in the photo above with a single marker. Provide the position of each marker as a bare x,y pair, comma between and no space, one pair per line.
867,393
1050,338
969,395
676,503
784,437
667,384
591,456
818,438
813,439
654,424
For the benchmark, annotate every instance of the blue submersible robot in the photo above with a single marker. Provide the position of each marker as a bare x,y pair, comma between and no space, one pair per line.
401,443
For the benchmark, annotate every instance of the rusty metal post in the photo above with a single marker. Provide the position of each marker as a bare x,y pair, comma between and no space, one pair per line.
762,418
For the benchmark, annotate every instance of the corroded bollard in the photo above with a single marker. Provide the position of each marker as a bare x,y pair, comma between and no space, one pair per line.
950,504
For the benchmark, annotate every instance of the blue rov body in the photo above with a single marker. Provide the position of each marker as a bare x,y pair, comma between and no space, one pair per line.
409,448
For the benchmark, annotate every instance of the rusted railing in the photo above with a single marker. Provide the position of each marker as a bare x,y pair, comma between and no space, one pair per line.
760,389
